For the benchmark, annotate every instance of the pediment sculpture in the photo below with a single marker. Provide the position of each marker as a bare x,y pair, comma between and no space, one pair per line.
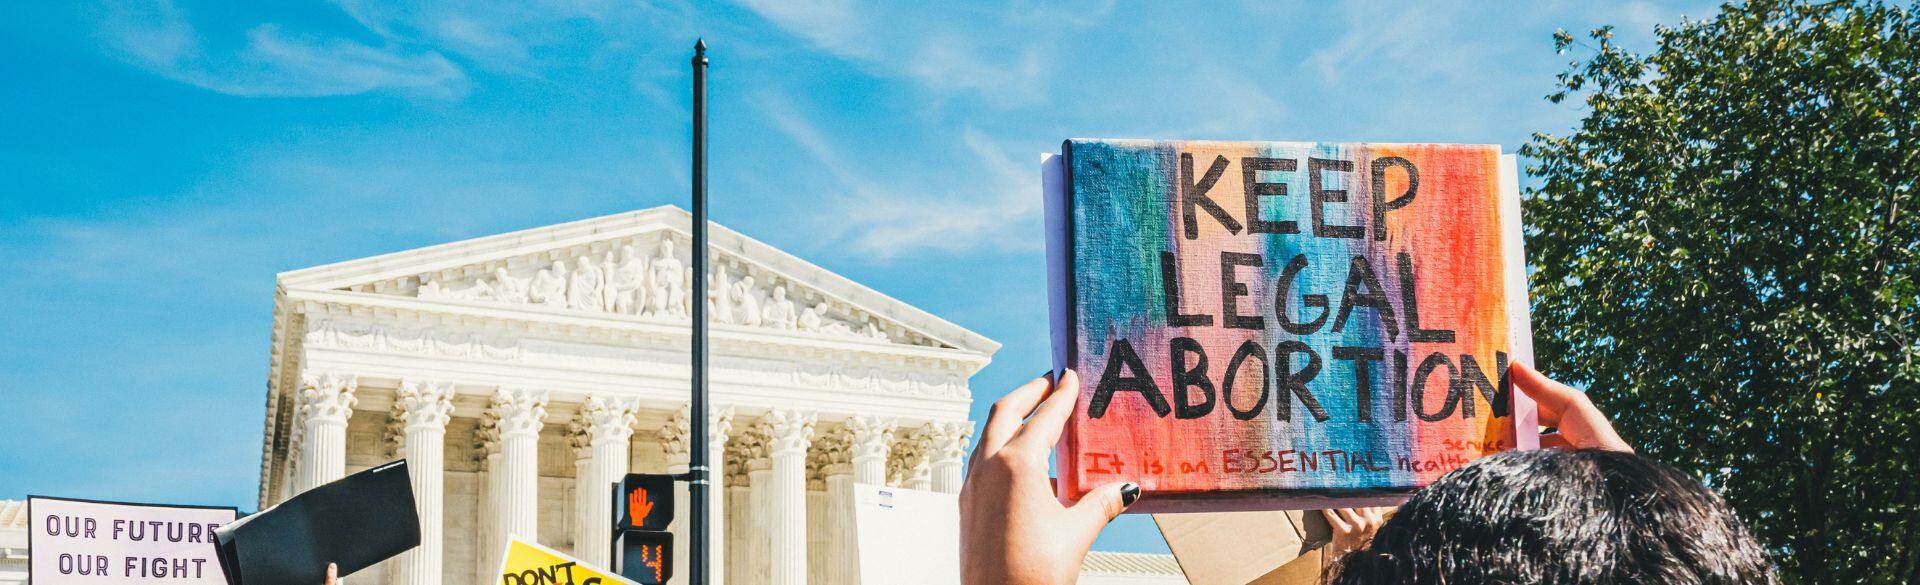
625,281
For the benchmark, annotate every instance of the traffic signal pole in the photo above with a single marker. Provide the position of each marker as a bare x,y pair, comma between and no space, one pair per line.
697,464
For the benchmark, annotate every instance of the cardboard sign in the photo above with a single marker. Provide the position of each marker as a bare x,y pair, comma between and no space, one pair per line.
91,542
527,563
1235,548
1275,325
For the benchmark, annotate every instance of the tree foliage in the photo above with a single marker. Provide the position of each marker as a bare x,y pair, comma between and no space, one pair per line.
1724,253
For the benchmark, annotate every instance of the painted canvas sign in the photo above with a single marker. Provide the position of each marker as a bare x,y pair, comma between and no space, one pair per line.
1262,325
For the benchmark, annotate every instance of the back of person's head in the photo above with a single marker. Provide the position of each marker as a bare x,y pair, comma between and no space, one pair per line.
1560,516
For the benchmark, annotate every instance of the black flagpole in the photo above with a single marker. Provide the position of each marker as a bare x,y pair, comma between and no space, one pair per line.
697,459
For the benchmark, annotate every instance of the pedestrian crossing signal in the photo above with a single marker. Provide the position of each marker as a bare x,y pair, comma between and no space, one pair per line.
644,502
642,511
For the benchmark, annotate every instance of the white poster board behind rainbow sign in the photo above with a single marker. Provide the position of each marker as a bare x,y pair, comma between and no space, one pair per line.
110,543
907,536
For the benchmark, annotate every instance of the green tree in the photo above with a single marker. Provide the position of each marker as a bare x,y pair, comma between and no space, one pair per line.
1725,255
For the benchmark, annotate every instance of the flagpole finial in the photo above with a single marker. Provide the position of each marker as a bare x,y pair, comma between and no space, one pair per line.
700,47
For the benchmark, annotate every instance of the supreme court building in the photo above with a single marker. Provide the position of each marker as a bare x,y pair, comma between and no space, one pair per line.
516,372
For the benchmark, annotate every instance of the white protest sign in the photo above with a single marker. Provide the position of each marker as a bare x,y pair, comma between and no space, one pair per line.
907,536
108,543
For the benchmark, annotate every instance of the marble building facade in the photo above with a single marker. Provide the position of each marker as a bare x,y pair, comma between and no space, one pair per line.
516,371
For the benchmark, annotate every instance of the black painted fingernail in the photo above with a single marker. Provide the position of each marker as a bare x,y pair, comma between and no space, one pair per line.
1129,493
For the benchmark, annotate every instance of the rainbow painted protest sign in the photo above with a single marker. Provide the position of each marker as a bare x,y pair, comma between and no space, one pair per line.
1283,324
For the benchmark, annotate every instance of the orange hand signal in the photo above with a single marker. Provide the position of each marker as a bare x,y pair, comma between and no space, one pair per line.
638,506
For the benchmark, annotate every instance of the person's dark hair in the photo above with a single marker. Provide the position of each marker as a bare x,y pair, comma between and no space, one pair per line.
1560,516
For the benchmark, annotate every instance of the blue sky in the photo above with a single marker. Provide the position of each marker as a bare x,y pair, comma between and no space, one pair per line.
160,162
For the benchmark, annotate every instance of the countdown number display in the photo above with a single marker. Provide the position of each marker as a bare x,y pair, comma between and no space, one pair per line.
646,556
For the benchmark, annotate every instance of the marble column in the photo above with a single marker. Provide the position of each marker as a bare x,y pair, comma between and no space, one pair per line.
674,441
788,434
739,506
842,554
487,550
718,430
519,413
816,527
947,453
326,401
579,443
296,443
759,537
608,425
423,409
867,441
827,513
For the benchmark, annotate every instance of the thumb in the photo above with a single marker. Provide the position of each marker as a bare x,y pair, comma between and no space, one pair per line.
1101,505
1553,397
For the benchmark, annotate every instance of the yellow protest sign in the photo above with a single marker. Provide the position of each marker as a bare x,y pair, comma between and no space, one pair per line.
528,563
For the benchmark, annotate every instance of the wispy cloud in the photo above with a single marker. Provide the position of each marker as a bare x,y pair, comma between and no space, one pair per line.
513,36
958,53
997,209
1397,37
270,61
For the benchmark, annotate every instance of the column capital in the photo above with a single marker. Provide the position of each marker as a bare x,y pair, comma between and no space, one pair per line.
946,441
676,434
486,439
909,463
734,467
606,418
831,454
868,436
721,425
747,450
327,398
580,438
421,405
518,411
787,431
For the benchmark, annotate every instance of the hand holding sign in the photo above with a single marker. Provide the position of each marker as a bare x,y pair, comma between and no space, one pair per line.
1581,425
1012,528
1353,527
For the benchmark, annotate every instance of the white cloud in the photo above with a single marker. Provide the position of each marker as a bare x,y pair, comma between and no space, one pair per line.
272,62
997,209
1005,64
1398,43
499,36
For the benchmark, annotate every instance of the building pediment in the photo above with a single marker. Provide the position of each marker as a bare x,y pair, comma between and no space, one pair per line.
635,267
